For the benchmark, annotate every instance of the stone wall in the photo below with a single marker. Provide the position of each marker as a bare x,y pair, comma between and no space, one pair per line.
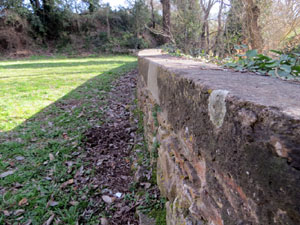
227,143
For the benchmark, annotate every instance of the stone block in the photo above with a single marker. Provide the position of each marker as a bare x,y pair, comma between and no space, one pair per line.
229,142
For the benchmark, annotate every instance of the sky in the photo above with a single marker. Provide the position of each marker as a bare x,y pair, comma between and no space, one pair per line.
115,3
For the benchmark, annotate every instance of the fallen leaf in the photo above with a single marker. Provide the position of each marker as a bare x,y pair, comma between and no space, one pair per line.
65,136
80,115
118,194
33,139
75,153
19,212
51,156
69,164
20,218
124,177
57,221
107,199
74,203
104,221
146,185
52,203
79,172
18,185
6,213
48,178
7,173
28,222
71,181
49,221
23,202
20,158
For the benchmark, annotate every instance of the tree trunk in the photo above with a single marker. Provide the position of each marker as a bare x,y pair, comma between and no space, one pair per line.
152,14
218,48
48,6
204,45
166,19
251,22
107,22
206,7
36,6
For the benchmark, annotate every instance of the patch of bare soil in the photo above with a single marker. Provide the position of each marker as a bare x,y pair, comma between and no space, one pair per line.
14,35
108,154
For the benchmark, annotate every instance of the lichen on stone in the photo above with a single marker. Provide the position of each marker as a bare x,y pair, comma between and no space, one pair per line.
217,107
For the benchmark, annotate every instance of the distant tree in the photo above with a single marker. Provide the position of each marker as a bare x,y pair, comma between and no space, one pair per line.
152,14
141,17
49,19
218,48
206,6
166,5
186,25
36,5
93,5
252,14
16,5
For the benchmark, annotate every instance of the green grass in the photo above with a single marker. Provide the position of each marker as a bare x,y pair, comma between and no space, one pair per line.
46,105
28,86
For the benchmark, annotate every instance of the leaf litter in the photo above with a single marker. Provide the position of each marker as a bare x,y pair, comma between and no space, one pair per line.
108,150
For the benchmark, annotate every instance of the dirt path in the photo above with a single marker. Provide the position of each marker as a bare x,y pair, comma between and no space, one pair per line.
108,154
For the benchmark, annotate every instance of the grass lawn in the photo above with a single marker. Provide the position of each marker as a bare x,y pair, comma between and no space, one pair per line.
46,105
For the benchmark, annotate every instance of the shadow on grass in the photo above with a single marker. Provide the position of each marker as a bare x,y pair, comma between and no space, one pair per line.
45,152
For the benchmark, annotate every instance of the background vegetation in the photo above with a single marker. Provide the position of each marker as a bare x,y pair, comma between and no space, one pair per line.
201,28
195,27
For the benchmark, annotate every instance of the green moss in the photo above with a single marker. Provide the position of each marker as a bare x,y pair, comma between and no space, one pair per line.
141,192
154,150
139,115
160,215
152,205
154,175
155,110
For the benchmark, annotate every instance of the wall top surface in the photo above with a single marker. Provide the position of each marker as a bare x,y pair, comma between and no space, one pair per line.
260,90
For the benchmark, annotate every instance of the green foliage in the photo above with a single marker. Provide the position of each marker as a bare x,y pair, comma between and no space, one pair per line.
234,26
156,109
37,25
198,55
187,25
92,5
160,215
15,5
89,24
141,16
285,66
172,50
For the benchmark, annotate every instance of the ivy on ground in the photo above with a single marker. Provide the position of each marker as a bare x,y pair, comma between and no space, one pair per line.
285,66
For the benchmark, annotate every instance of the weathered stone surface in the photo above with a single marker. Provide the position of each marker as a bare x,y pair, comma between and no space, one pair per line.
229,143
